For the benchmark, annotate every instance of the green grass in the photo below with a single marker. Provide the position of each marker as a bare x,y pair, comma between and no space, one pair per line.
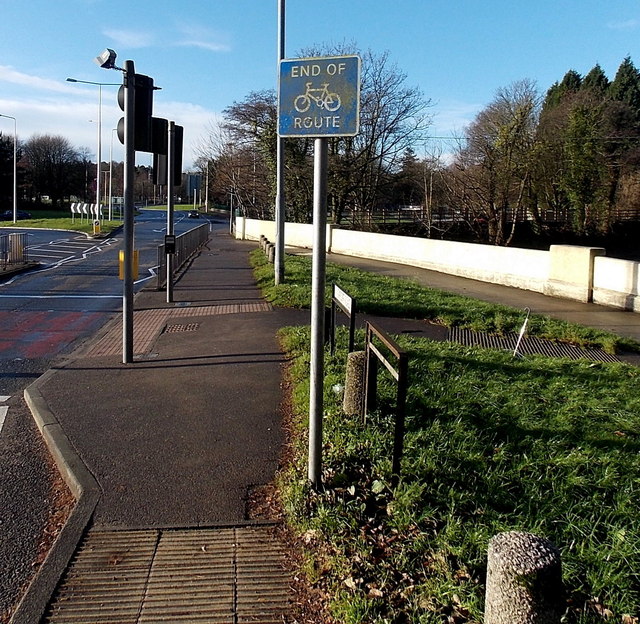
493,443
55,221
387,296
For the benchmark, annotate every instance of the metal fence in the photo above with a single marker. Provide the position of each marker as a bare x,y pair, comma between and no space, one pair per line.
186,245
13,249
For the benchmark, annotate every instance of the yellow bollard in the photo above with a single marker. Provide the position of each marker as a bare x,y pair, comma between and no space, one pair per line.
121,264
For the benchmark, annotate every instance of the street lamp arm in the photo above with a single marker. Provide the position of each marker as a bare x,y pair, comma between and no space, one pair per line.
103,84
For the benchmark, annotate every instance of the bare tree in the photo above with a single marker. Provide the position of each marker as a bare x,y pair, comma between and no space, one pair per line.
51,162
393,118
492,169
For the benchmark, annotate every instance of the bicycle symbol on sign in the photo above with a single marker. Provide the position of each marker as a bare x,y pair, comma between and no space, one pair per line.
321,96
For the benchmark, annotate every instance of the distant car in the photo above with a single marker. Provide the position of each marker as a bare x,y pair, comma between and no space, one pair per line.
7,215
193,214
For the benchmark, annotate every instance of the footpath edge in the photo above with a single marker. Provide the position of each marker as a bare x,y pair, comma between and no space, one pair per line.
85,490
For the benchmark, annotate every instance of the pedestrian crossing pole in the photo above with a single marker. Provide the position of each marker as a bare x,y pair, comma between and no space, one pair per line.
129,179
170,205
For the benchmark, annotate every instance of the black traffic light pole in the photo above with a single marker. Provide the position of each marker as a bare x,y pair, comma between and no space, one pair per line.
135,131
170,204
129,78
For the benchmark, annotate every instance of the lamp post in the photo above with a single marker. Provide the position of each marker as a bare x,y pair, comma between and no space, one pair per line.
99,154
111,175
15,166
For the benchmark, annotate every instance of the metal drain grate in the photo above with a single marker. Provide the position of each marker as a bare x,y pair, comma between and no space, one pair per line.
530,345
181,327
182,575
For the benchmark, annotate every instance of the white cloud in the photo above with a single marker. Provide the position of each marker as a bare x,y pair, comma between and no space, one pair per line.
451,117
8,74
630,24
130,38
204,45
203,38
195,119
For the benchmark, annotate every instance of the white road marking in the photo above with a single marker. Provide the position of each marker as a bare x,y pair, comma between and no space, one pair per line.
4,399
60,296
3,414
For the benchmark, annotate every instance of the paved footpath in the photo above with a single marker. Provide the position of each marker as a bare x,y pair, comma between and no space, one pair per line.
174,445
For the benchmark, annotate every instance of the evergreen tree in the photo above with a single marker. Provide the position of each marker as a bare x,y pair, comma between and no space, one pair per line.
626,85
595,81
571,82
585,176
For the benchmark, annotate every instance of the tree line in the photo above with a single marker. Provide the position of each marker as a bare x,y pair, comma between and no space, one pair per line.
566,164
49,166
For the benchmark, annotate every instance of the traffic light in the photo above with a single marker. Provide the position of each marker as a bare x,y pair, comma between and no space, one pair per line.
160,159
143,112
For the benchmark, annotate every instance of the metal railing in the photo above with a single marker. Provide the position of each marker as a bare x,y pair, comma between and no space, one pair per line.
13,249
400,373
186,245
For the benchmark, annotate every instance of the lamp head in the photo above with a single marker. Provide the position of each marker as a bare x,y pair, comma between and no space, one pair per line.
107,59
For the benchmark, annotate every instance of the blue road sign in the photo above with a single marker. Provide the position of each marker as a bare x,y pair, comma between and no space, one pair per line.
319,97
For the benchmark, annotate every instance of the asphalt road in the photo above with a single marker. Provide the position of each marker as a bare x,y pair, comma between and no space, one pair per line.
44,315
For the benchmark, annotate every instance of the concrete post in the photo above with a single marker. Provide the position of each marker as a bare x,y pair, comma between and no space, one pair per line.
354,386
524,580
571,272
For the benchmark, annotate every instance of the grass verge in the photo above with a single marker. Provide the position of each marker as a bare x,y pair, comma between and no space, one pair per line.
388,296
493,443
63,223
549,446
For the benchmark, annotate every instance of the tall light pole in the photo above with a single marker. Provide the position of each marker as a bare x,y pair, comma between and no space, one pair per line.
99,154
15,166
111,175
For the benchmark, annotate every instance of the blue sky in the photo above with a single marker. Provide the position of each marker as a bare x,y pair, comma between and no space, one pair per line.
206,54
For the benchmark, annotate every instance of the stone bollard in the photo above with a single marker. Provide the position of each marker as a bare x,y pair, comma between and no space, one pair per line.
354,385
271,253
524,580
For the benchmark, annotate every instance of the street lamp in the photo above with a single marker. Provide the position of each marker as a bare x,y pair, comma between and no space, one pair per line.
111,175
99,154
15,166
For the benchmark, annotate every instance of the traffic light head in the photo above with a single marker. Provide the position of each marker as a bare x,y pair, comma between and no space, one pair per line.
143,112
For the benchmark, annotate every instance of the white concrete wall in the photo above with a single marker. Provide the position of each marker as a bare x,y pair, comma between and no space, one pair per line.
616,283
565,271
521,268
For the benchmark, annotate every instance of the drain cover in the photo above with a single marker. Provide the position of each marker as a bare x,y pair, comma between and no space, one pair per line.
529,345
216,576
183,327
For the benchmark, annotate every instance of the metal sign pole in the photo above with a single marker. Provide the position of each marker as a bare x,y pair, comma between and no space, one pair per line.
170,205
316,407
280,198
318,97
129,178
